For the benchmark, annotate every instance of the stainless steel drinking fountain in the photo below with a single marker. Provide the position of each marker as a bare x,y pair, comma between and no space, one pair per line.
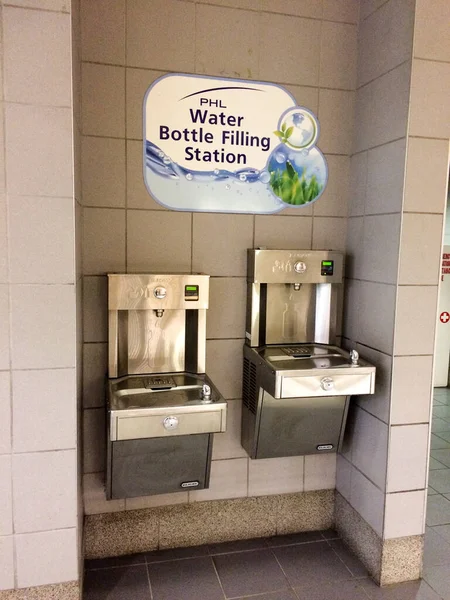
296,382
162,409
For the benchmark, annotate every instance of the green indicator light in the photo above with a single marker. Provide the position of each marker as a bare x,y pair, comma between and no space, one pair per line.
191,288
327,263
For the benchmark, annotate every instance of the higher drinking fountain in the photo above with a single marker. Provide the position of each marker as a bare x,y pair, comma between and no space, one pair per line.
296,382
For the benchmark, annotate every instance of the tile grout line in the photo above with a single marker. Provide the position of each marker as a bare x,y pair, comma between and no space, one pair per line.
148,579
290,586
217,575
342,561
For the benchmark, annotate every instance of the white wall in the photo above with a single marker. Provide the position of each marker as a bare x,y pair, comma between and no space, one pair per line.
38,445
447,226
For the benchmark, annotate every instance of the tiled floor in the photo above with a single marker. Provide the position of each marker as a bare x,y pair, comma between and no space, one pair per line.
305,566
437,537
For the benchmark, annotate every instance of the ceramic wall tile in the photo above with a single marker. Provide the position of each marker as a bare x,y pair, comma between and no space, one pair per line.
431,33
411,389
421,247
103,100
5,408
227,307
343,476
338,55
148,44
103,241
27,65
385,176
300,8
382,109
103,20
246,4
59,562
228,480
224,366
368,500
43,326
38,421
95,369
429,83
6,514
6,562
38,506
370,447
329,233
48,130
354,250
228,444
341,10
286,233
41,240
103,172
416,319
227,42
367,7
386,39
137,83
426,194
94,497
95,309
212,252
158,241
276,476
381,245
300,64
358,184
334,200
405,514
376,306
94,440
55,5
4,331
3,229
336,114
304,95
408,456
320,472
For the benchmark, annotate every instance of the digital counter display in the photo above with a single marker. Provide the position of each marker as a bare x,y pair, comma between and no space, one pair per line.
327,267
191,292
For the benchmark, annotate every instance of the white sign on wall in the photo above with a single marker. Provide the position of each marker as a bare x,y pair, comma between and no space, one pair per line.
442,354
226,145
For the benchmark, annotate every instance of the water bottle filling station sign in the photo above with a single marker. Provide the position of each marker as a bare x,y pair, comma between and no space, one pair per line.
225,145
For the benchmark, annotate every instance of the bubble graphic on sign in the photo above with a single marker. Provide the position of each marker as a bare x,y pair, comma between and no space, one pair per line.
298,128
299,179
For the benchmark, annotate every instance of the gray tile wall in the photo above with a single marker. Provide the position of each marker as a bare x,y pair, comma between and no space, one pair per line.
310,47
394,243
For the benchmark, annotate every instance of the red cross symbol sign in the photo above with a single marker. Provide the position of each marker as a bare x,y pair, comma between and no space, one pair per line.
445,317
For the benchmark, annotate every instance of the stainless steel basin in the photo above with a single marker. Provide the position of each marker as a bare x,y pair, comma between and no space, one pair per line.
136,410
312,370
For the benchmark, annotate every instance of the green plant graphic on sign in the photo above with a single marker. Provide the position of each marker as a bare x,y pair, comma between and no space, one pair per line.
285,132
293,188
